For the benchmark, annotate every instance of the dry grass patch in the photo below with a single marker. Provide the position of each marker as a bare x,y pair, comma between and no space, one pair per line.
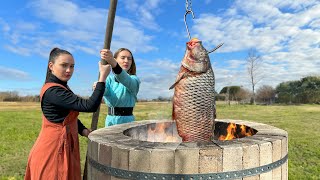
9,106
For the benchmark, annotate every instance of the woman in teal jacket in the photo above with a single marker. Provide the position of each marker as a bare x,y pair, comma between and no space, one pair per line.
121,89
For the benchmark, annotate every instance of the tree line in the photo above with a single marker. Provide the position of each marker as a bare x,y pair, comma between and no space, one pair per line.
303,91
306,90
13,96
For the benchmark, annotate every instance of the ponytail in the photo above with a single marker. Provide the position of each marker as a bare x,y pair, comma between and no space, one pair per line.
54,53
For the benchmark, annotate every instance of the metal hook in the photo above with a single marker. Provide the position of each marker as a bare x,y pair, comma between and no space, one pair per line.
188,11
217,47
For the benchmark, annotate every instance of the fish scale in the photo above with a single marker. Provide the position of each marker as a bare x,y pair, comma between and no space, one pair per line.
194,106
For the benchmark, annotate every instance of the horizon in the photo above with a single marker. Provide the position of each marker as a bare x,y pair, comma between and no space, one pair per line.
286,35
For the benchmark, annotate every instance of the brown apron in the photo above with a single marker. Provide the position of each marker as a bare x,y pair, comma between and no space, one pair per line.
55,155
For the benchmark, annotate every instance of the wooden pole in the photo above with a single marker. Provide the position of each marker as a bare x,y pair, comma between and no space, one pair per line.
107,44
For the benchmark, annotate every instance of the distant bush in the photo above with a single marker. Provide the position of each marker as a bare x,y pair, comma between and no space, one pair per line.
13,96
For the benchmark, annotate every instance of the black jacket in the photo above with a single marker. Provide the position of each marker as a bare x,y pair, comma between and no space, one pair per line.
57,102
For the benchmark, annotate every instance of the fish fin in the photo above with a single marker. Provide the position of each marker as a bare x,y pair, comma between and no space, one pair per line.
186,74
173,114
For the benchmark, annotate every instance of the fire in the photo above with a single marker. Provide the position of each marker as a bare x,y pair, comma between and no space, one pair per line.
236,131
231,132
161,132
167,132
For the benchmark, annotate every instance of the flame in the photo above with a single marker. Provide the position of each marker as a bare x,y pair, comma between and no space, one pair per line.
161,133
171,139
234,131
167,132
243,129
231,131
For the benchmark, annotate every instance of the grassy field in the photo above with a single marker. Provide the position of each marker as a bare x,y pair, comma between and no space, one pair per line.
20,124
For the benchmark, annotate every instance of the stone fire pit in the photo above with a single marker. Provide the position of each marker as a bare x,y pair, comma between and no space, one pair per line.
140,150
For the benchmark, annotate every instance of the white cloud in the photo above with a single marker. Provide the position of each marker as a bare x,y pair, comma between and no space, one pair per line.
70,14
235,64
25,26
13,74
284,33
315,23
18,50
207,1
145,12
5,26
131,36
76,28
156,77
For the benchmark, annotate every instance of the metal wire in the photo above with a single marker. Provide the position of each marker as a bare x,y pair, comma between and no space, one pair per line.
188,11
215,48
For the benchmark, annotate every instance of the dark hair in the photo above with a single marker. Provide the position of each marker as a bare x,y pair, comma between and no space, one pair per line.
54,53
132,70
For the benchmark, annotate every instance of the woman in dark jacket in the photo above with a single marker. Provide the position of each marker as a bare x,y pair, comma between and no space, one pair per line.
55,154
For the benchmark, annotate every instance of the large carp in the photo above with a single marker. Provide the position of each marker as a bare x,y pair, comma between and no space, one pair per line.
194,108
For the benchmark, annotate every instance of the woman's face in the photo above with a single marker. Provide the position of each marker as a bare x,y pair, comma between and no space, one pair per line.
63,67
124,59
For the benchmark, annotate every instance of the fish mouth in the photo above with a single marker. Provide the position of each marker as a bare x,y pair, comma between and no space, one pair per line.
191,59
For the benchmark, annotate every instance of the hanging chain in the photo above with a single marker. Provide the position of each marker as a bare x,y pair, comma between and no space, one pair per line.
188,5
188,11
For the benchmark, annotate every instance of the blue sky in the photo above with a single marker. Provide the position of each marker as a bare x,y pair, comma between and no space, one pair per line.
285,33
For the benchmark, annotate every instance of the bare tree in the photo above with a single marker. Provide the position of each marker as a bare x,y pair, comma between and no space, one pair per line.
242,95
266,94
254,63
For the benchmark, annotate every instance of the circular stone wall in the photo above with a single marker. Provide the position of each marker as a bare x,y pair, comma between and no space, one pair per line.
114,155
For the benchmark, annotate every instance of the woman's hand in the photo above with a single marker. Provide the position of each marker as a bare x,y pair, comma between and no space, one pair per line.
86,132
104,72
94,85
107,55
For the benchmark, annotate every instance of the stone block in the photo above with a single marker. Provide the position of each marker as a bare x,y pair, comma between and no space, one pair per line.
186,160
210,160
232,158
251,158
89,172
276,155
162,161
120,158
104,158
266,158
284,167
94,155
139,160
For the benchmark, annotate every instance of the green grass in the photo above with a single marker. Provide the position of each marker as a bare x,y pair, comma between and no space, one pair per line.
20,124
301,123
